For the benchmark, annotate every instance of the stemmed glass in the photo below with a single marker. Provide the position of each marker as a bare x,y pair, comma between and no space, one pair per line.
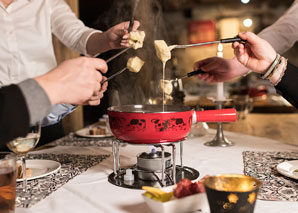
21,146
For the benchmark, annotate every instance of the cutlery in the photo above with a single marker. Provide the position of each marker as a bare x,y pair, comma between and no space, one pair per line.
114,75
132,16
116,55
190,74
169,83
129,30
289,183
284,158
225,40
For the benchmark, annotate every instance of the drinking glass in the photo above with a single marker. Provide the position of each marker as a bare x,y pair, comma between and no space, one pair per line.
21,146
231,193
7,182
243,104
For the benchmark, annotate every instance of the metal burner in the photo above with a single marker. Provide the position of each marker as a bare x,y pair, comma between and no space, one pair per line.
149,165
185,172
152,169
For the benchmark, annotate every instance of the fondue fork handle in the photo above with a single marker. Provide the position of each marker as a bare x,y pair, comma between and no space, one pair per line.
132,16
190,74
114,75
231,40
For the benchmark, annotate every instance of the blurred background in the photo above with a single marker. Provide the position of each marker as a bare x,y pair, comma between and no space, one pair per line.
185,22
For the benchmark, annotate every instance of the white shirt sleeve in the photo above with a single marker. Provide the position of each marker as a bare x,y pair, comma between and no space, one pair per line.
68,28
283,34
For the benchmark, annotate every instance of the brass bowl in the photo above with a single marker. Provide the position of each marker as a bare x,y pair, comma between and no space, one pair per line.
232,193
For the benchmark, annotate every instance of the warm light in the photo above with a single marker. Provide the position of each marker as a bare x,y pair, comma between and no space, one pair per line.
247,22
245,1
219,48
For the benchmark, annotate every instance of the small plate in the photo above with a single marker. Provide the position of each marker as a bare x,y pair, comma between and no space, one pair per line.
186,204
85,133
288,168
41,168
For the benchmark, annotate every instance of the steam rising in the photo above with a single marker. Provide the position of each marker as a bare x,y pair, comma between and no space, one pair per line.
132,88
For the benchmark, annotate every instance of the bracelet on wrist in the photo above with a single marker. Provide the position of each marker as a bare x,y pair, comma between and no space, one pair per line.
278,72
271,68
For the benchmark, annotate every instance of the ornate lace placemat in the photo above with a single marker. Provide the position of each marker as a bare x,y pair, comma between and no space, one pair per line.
262,165
73,140
71,166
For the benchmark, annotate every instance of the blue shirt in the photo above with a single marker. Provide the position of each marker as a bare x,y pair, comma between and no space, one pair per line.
58,112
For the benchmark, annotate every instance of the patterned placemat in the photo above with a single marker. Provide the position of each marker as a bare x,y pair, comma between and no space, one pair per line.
71,166
73,140
262,165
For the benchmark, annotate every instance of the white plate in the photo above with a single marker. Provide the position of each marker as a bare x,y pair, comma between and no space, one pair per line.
41,168
85,133
186,204
288,168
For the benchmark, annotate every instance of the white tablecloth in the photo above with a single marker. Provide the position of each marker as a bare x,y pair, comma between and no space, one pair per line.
91,191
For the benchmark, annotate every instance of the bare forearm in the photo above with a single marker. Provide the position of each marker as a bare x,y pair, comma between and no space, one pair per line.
97,44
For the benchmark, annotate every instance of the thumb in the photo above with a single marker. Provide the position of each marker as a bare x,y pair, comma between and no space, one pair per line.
252,38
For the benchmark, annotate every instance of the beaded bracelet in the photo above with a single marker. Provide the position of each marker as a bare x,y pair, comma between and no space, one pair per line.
271,68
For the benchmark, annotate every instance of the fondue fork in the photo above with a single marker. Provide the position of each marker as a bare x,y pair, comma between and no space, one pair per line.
225,40
114,56
117,54
132,16
190,74
114,75
129,30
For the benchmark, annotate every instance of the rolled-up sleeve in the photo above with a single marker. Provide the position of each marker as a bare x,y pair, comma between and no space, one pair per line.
68,28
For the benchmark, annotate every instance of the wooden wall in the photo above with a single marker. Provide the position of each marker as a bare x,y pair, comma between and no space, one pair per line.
73,121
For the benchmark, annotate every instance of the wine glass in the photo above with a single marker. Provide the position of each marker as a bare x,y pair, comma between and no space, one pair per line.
21,146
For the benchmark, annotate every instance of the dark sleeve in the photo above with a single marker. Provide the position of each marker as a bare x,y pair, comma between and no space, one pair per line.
288,86
14,115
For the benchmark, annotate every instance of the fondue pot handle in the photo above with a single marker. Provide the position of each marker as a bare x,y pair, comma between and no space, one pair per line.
219,115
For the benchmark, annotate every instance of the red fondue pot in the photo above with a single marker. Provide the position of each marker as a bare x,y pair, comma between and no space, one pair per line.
145,124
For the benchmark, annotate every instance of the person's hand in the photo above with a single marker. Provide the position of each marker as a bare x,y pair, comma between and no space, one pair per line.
118,35
74,81
97,95
256,54
219,69
114,38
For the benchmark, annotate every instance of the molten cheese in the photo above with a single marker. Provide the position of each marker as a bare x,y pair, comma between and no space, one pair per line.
163,52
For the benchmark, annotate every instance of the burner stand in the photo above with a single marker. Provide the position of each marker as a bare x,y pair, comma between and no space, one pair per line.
169,176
